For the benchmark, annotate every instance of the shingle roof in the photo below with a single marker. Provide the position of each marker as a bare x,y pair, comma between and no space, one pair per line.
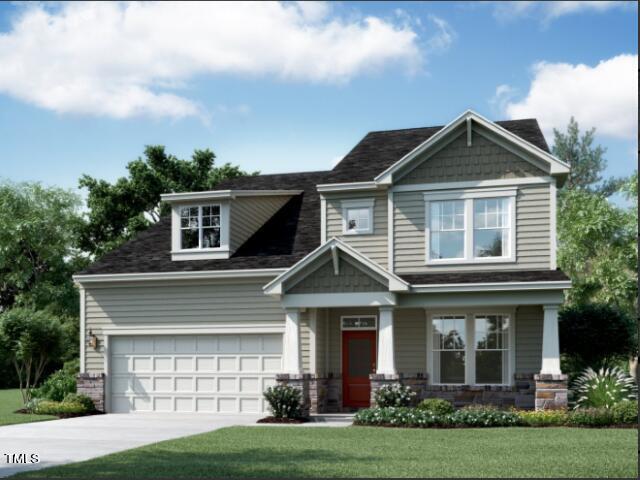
294,230
486,277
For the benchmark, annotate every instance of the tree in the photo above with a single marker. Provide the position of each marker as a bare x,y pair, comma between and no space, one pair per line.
38,233
119,210
587,162
598,250
595,335
32,339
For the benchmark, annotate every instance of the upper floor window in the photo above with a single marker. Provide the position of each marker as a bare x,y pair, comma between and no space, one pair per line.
357,216
471,226
200,227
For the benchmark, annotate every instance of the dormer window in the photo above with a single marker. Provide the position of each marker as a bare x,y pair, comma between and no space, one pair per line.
200,227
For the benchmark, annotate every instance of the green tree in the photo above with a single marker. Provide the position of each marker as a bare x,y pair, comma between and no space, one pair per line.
598,250
38,231
586,160
32,338
117,211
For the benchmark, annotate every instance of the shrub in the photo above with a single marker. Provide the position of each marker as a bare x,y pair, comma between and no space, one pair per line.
436,405
604,388
284,401
417,417
32,405
484,416
394,395
542,418
48,407
59,384
591,417
625,412
83,400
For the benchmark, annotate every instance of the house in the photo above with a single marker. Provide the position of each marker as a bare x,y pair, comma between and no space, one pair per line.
427,256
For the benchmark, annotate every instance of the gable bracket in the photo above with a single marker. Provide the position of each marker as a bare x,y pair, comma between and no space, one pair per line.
336,260
469,132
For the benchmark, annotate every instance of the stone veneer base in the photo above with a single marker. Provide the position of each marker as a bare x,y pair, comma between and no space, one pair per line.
551,391
92,385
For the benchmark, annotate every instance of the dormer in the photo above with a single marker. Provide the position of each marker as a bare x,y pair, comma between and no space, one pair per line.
214,224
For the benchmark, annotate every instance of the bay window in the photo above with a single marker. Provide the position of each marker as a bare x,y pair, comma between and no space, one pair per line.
472,226
470,349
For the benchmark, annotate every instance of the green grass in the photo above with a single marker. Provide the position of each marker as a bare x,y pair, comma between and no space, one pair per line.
373,452
10,401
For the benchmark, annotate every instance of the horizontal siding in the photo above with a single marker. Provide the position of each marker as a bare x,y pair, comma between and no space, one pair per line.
532,233
249,214
529,322
305,344
410,341
321,332
175,305
374,245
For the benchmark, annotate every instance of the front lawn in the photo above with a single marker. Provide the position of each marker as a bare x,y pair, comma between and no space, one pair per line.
10,401
373,452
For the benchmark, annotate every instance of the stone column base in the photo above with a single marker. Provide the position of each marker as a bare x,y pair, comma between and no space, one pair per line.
551,391
92,385
378,380
300,382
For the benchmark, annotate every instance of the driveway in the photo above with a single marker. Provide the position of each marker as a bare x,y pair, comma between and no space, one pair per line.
76,439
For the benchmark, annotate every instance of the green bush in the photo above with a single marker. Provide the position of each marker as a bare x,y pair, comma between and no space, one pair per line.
48,407
394,395
438,406
591,417
625,412
604,388
32,405
59,384
83,400
284,401
417,417
542,418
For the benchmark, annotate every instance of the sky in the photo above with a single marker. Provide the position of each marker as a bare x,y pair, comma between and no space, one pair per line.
280,87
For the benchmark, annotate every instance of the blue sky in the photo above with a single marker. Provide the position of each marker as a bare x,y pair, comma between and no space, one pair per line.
289,87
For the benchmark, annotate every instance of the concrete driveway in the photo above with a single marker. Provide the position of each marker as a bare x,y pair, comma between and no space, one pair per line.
72,440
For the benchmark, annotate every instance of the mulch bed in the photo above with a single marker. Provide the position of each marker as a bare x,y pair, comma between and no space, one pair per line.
293,421
61,415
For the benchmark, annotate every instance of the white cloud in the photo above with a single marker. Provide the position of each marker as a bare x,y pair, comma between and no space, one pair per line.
128,59
444,36
549,11
604,96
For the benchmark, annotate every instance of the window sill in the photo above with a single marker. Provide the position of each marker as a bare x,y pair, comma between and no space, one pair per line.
473,261
351,234
200,254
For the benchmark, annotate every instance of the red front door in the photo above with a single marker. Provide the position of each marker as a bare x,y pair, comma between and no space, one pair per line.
358,361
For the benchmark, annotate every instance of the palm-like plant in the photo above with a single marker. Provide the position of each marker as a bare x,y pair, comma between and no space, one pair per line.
604,388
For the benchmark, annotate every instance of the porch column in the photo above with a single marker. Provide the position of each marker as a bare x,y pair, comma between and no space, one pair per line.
550,341
291,342
386,354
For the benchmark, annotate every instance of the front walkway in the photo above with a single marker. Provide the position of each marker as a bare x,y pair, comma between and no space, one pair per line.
76,439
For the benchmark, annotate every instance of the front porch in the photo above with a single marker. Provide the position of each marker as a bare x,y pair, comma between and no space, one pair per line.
504,356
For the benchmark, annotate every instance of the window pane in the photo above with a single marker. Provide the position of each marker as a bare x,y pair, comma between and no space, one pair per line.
451,366
189,238
358,322
210,238
358,219
490,242
447,244
489,366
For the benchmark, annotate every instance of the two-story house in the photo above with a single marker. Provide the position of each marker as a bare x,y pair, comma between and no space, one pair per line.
427,256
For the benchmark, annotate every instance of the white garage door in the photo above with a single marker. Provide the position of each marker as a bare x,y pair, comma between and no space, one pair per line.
193,373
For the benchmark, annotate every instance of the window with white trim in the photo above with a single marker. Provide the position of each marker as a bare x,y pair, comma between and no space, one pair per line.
447,229
353,322
200,227
474,349
357,216
470,226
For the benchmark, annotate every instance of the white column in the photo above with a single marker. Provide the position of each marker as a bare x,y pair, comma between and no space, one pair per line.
550,341
386,354
291,342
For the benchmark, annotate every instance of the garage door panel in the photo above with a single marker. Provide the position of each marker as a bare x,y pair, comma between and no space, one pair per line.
193,373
